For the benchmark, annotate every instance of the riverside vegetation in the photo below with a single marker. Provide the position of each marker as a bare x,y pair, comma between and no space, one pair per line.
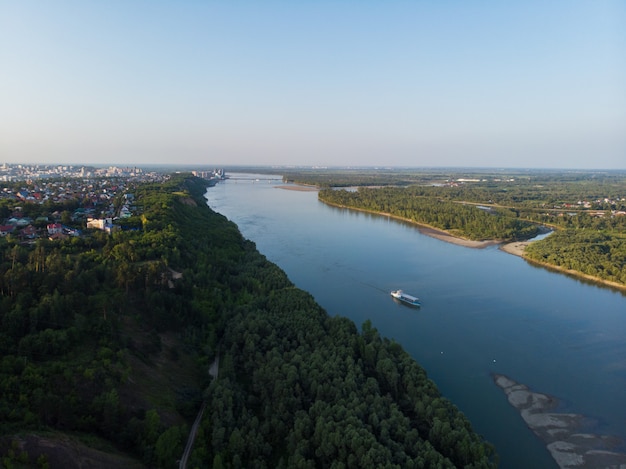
586,210
106,343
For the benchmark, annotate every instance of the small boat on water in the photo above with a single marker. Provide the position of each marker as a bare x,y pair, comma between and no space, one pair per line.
405,298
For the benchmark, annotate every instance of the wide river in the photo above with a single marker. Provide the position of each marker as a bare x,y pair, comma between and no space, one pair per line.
483,311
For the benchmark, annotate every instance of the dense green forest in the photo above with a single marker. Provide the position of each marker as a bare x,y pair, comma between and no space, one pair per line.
467,221
595,253
106,340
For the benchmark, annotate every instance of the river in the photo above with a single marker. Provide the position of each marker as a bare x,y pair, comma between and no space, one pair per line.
483,311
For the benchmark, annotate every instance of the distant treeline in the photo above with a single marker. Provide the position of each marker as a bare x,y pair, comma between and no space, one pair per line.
108,339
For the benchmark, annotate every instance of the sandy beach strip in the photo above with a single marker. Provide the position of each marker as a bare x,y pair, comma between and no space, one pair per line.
448,238
299,188
516,248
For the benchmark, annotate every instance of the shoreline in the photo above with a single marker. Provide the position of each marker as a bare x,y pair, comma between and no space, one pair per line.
515,248
443,235
428,230
298,188
576,274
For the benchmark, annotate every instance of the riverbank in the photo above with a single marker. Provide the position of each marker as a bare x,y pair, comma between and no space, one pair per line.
561,432
443,235
576,274
427,230
517,249
299,188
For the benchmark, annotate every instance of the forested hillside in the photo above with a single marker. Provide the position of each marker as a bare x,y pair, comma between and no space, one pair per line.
106,341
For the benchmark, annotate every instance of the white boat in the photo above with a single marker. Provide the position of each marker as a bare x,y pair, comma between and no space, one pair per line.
405,298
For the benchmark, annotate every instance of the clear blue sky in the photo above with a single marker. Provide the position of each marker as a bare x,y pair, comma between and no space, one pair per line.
326,82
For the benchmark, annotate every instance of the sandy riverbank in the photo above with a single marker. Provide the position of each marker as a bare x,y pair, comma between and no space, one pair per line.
448,238
428,230
299,188
563,433
516,248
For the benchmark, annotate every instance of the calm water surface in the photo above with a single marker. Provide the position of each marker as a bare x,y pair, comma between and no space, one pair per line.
483,311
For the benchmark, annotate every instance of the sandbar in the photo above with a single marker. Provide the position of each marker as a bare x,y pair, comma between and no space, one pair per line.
563,433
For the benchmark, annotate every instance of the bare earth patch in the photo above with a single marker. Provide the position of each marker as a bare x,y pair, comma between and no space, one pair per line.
63,451
174,276
189,201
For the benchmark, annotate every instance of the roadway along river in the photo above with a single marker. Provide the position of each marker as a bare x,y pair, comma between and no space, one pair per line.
483,311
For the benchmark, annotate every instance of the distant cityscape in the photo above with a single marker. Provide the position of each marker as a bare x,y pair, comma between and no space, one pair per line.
26,172
59,201
22,172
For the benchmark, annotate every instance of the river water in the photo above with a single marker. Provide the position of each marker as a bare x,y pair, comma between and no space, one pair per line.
483,311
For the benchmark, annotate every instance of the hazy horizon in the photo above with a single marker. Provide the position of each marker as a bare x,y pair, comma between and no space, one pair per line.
234,168
337,84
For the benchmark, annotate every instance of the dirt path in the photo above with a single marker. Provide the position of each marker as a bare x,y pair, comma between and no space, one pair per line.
213,371
192,438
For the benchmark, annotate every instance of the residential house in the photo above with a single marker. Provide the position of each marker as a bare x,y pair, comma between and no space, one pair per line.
57,236
30,232
104,224
54,228
6,229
